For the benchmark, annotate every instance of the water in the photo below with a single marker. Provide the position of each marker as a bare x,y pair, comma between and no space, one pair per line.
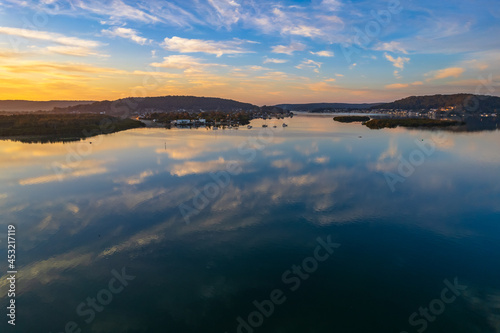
204,223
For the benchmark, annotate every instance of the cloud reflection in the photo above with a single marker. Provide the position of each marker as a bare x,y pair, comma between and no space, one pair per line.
128,205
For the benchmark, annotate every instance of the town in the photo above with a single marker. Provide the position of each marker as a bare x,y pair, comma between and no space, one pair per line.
211,119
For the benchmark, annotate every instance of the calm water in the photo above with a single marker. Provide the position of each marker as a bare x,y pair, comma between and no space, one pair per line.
84,212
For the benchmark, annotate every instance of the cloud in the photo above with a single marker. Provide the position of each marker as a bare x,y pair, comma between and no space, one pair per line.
387,161
398,62
278,76
403,85
287,164
290,49
64,176
137,179
162,75
223,13
290,23
394,47
274,61
322,86
313,22
397,86
69,45
219,48
187,63
331,5
178,62
70,50
303,30
50,67
324,53
126,33
117,10
475,64
193,167
322,160
8,54
257,68
445,73
308,63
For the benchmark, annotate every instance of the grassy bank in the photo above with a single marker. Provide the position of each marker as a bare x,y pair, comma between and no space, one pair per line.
410,122
351,119
61,127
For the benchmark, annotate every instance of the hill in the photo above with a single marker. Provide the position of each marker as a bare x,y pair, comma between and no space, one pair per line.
159,104
462,102
29,106
319,107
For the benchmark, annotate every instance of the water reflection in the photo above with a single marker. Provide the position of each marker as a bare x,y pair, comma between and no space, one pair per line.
118,206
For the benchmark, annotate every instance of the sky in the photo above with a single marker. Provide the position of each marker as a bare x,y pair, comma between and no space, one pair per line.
255,51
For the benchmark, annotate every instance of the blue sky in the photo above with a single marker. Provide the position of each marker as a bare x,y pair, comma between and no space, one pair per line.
262,52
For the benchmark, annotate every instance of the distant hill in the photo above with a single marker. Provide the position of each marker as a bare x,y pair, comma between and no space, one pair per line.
324,106
159,104
463,102
20,105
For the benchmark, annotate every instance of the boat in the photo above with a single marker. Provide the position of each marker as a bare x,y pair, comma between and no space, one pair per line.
285,125
249,127
264,125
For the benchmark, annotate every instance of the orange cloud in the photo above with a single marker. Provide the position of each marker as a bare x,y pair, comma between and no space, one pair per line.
403,85
447,72
397,86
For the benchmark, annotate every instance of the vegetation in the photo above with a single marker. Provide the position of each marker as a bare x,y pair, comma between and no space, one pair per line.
410,122
128,106
42,127
317,107
462,102
328,110
324,107
20,106
351,119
